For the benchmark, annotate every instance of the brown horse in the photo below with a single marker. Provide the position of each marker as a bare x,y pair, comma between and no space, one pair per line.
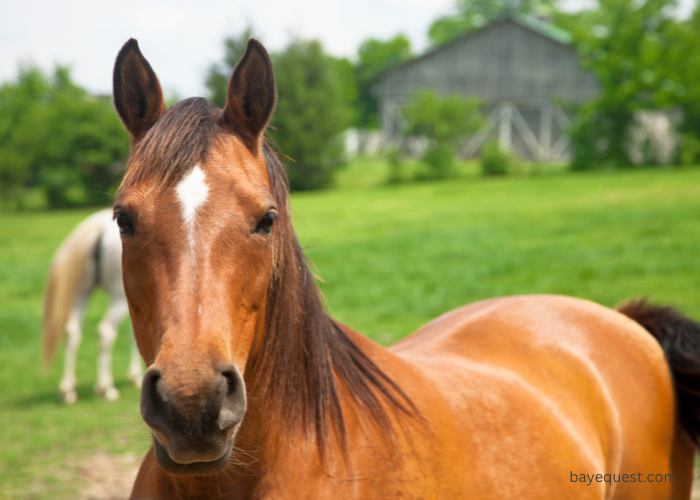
253,391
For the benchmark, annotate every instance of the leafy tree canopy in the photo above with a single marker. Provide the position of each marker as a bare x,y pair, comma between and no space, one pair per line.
219,73
315,97
682,81
628,44
313,109
374,57
58,140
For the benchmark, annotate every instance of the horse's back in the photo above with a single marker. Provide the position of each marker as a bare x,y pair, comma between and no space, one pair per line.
583,388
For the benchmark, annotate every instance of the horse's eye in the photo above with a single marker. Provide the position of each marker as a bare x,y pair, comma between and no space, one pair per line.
265,224
125,225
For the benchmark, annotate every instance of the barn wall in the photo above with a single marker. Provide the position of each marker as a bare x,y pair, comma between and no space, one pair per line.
505,62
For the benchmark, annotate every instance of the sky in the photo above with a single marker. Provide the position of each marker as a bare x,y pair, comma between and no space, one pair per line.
181,39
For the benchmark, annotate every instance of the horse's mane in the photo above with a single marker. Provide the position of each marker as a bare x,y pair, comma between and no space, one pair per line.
306,363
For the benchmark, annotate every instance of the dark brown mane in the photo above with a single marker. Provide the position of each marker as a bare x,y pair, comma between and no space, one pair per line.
306,361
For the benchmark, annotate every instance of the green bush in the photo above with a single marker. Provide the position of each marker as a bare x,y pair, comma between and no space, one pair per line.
496,160
445,122
440,158
393,158
689,149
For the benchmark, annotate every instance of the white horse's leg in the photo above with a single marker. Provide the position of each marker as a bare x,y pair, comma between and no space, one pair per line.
74,334
108,334
135,374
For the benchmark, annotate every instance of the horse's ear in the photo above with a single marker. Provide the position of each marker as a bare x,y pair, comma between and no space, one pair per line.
138,97
251,94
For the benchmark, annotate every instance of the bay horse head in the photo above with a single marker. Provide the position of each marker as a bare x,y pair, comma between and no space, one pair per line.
196,212
224,307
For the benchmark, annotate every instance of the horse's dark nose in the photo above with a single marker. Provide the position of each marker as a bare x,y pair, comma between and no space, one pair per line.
193,410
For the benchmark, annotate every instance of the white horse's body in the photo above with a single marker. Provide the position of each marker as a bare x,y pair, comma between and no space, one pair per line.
90,257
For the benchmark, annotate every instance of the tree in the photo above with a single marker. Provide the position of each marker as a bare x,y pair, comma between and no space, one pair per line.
219,73
445,121
313,109
626,43
315,94
376,56
473,14
56,138
683,82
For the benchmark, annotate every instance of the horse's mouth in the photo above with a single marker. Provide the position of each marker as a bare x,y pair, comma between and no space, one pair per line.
173,467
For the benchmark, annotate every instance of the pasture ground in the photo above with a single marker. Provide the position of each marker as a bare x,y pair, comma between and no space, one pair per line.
391,257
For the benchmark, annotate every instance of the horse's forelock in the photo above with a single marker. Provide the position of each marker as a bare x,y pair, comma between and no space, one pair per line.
181,138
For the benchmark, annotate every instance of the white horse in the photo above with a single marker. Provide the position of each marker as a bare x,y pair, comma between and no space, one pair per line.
91,256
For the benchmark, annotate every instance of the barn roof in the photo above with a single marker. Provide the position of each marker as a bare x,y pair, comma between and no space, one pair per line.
549,30
531,23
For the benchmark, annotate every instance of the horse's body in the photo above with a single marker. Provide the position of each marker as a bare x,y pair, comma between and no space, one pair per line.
522,395
253,392
90,257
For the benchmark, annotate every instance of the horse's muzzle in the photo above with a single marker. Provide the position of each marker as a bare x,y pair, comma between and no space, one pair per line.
194,419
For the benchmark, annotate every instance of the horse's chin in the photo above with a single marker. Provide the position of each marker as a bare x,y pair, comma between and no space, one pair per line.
173,467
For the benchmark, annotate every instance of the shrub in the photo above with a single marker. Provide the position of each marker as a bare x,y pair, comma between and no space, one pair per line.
440,159
496,160
393,158
445,122
690,149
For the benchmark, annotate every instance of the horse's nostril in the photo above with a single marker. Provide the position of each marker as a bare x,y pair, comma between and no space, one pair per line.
152,408
234,402
231,381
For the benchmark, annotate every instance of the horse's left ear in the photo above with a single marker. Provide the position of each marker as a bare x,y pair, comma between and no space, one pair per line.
138,97
251,94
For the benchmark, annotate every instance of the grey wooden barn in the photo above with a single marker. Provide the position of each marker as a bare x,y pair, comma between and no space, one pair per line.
521,68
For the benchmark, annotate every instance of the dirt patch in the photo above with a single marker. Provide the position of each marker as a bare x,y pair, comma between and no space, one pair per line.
108,477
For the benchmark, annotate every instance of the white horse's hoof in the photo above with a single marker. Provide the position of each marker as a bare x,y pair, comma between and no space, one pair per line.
69,397
108,393
136,380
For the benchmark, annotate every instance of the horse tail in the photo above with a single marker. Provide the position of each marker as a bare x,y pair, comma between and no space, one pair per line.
679,337
67,276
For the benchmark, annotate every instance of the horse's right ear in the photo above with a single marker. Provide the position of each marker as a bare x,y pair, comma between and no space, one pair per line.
138,97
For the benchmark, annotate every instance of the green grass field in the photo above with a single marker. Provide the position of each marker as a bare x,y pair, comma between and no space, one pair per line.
392,258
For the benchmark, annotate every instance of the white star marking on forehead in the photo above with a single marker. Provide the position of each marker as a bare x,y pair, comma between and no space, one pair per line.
192,192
